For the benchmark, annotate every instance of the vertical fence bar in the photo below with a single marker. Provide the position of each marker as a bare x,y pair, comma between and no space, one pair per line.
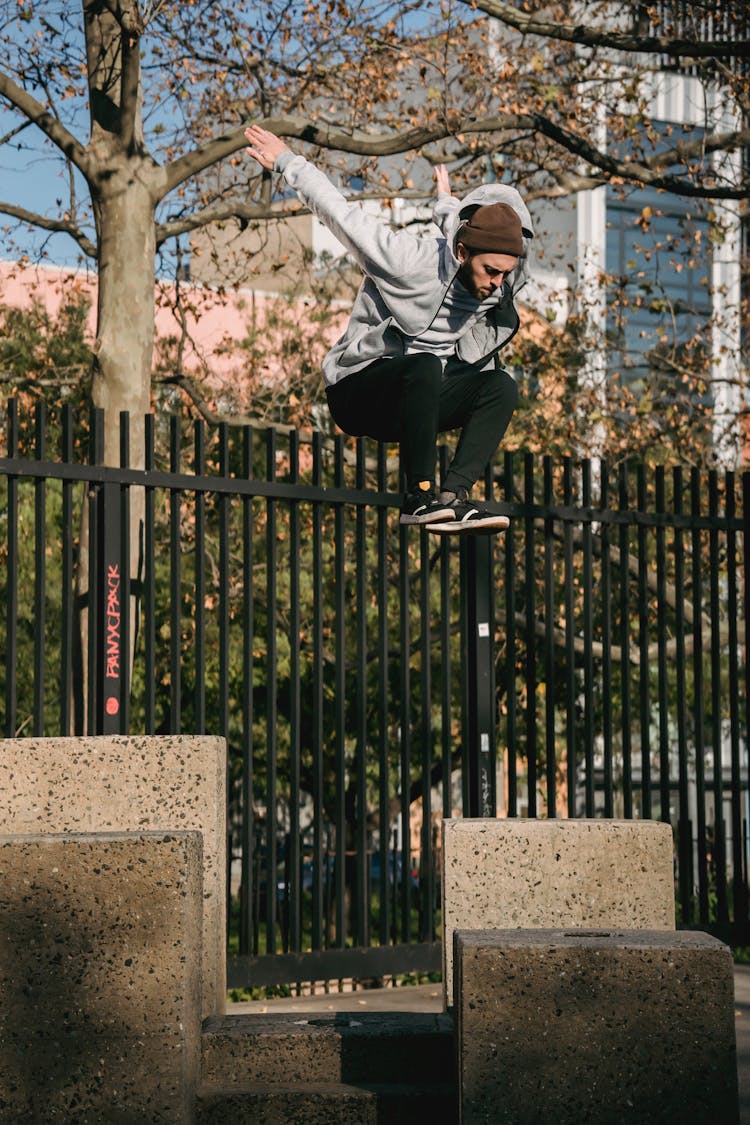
95,587
257,884
699,716
67,591
446,668
510,643
271,700
643,639
739,886
384,920
295,732
425,865
360,723
317,736
199,469
720,855
108,598
530,607
11,578
175,582
224,591
248,665
149,586
661,642
684,841
625,671
405,735
606,604
570,669
588,638
549,640
339,586
128,582
479,701
746,637
40,570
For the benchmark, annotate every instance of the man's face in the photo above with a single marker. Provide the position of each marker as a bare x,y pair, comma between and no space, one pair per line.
482,273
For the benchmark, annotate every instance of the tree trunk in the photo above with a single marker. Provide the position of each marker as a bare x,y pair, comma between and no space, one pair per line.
125,309
125,185
122,371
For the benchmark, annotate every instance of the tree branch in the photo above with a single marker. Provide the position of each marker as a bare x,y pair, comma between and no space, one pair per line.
260,212
221,212
130,78
648,171
34,112
317,133
586,36
14,132
57,226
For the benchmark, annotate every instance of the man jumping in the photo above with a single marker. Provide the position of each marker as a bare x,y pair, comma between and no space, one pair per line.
419,354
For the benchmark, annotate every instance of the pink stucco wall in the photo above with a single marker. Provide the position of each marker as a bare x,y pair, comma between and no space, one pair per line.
215,325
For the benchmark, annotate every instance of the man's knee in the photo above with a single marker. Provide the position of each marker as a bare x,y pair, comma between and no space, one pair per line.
501,388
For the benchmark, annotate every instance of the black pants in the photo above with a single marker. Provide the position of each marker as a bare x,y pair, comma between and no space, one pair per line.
410,400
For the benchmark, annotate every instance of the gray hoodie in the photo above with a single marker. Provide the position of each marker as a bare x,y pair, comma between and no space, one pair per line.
406,276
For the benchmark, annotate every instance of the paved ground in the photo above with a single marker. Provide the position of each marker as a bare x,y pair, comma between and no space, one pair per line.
429,998
420,998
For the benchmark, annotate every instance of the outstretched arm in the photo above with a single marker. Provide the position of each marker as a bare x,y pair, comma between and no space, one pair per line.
379,250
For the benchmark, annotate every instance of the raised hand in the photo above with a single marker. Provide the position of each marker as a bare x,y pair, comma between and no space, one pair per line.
442,180
264,146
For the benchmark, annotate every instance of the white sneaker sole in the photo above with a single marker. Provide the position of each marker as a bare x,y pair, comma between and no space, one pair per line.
487,525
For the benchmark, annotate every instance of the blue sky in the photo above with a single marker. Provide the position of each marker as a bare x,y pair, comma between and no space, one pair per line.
31,178
32,175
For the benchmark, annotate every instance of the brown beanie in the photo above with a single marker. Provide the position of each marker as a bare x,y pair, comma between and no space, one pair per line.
494,229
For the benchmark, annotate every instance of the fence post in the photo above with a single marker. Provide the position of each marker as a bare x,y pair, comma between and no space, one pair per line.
110,657
107,668
479,702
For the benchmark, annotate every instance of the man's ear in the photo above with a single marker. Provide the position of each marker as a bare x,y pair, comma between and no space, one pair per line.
462,253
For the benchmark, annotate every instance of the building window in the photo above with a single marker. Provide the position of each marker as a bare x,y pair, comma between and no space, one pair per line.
658,267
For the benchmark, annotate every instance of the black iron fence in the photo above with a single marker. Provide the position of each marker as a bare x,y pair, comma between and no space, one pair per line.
371,679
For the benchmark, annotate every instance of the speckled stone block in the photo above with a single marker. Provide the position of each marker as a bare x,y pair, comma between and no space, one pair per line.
100,964
607,1027
122,784
349,1047
328,1104
498,874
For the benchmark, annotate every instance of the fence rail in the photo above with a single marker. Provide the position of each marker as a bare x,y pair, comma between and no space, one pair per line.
371,678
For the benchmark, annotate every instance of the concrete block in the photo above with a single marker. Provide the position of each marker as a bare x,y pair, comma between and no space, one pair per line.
600,1026
129,784
498,874
100,966
351,1047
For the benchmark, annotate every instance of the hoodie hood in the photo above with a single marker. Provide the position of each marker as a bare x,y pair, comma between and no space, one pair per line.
449,213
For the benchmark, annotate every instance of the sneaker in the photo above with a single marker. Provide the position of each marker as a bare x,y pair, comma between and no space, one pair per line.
424,507
468,516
